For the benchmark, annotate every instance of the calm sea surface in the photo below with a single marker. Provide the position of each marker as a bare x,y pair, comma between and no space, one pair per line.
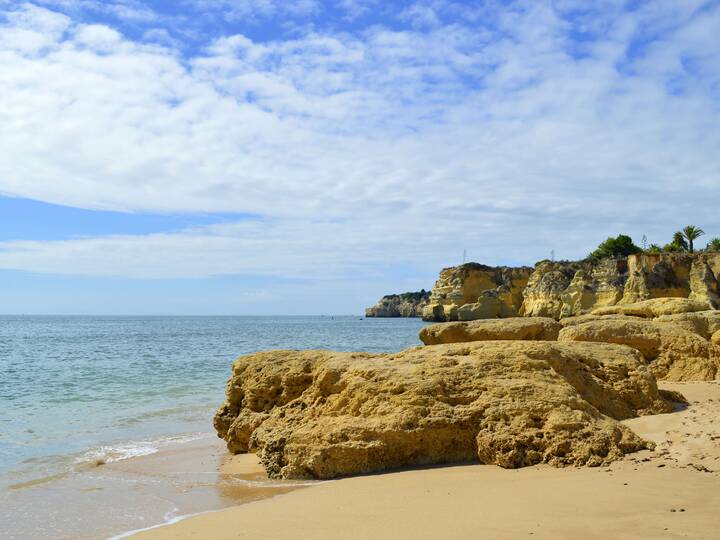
77,390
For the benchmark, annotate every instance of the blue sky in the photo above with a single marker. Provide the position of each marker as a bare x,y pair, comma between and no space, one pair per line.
300,156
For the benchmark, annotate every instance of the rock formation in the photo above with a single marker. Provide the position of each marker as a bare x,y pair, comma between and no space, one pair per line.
703,323
566,289
483,292
673,352
537,367
409,304
653,308
678,345
320,414
562,289
515,328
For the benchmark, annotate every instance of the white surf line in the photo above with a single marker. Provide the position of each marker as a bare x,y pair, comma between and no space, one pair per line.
178,519
171,521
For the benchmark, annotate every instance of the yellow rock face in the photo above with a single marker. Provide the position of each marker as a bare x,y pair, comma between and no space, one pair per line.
562,289
488,292
654,308
319,414
568,289
703,323
516,328
673,353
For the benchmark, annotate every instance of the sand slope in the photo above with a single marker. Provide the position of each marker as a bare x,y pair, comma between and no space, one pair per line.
672,492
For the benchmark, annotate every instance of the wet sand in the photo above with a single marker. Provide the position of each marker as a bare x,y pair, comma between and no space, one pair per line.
105,500
671,492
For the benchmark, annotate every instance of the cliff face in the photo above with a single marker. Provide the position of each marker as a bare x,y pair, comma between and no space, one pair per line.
565,289
475,291
665,275
408,304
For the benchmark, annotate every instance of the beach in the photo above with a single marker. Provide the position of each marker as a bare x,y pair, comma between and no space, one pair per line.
115,414
670,492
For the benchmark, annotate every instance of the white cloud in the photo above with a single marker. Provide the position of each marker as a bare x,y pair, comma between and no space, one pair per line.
382,145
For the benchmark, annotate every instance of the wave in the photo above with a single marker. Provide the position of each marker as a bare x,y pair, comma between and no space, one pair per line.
120,452
58,467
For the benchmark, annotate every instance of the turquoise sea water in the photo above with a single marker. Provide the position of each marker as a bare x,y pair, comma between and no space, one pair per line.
79,389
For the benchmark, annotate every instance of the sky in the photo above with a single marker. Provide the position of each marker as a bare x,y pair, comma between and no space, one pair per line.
240,157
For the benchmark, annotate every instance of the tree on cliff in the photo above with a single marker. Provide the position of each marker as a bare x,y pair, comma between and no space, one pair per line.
678,243
621,246
692,233
713,245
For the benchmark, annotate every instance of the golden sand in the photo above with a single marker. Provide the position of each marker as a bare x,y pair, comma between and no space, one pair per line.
671,492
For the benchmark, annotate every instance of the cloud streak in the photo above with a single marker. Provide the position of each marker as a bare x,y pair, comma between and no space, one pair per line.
525,129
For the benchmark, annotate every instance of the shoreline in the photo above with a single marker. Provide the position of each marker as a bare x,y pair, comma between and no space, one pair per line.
139,493
665,493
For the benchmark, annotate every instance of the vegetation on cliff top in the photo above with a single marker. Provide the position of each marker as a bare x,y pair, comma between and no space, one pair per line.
422,294
682,242
620,246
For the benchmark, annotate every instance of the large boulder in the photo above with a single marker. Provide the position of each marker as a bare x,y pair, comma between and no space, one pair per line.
515,328
321,414
655,307
580,319
674,353
703,323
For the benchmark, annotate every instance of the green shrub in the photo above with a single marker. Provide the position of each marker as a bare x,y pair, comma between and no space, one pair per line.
621,246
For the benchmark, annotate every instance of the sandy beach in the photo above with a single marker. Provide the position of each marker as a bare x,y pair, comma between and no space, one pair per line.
671,492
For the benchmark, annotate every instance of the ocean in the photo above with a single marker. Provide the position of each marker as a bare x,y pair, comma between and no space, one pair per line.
79,394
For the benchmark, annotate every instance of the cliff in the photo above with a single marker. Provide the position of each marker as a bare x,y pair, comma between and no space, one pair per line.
409,304
566,289
475,291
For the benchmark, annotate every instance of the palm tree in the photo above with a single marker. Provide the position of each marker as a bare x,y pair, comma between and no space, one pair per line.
691,233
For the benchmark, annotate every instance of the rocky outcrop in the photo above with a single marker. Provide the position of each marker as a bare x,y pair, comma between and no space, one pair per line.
653,308
484,292
703,323
564,289
567,289
673,353
681,275
319,414
516,328
409,304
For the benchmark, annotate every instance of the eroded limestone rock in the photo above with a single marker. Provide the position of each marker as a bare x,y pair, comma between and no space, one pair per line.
681,275
496,291
320,414
703,323
516,328
674,353
654,308
567,289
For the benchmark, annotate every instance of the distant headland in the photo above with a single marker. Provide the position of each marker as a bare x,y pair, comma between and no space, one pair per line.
617,272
